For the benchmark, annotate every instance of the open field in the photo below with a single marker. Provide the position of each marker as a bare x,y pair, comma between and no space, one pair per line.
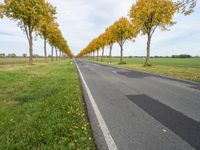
188,68
10,61
41,107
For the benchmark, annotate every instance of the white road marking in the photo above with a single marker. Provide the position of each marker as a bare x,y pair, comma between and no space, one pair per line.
164,130
95,64
114,71
108,138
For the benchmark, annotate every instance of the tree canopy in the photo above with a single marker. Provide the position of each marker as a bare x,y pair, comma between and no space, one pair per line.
152,14
1,10
121,31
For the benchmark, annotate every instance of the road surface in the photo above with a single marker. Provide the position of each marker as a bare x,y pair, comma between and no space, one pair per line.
142,111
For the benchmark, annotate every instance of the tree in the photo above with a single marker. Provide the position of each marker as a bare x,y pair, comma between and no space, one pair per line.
52,49
24,55
123,31
2,55
94,46
28,14
150,15
110,40
46,23
57,41
102,43
13,55
52,37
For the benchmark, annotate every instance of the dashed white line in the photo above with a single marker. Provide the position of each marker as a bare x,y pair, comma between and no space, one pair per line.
114,71
95,64
108,138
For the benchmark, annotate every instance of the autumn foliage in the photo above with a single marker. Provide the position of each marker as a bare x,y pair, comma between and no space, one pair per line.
144,18
119,32
151,15
37,16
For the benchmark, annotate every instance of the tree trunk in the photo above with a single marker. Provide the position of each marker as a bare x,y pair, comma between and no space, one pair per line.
30,48
97,55
148,63
52,53
102,54
121,58
56,54
93,55
45,49
110,54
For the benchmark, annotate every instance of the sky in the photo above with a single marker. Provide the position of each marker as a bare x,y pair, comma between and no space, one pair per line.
82,20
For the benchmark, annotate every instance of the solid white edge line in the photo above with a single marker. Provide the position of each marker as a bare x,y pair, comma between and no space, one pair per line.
108,138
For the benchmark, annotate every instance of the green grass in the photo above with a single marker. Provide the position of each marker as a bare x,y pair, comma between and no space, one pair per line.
188,68
41,107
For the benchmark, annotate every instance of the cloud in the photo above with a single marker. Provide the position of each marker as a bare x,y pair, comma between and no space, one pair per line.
82,20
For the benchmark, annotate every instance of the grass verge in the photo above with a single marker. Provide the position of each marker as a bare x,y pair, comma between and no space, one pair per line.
41,107
187,69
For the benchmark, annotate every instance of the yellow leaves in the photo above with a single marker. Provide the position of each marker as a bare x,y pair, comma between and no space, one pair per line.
48,21
1,10
39,16
120,31
123,30
102,40
109,35
74,126
28,12
148,15
57,40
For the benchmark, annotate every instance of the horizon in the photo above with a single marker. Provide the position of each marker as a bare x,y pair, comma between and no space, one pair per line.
79,30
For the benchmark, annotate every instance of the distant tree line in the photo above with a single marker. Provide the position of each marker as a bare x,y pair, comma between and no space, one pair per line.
173,56
181,56
13,55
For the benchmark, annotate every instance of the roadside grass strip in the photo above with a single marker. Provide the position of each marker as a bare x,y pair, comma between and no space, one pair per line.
41,107
181,68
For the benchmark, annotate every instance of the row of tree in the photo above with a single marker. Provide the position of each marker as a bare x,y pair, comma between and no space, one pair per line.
119,32
36,16
144,18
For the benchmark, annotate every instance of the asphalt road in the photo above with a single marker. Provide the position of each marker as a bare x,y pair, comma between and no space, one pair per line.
143,111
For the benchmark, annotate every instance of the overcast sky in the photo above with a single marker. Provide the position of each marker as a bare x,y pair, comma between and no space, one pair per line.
82,20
